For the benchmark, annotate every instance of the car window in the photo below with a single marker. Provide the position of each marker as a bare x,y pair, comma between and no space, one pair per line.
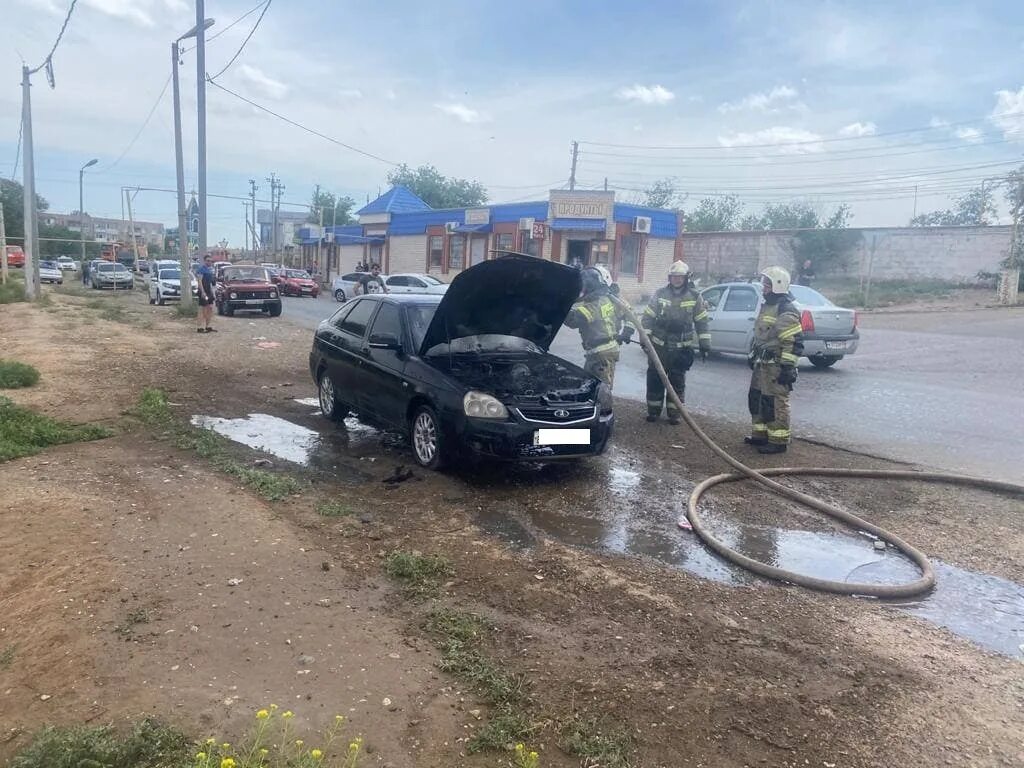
430,280
355,322
419,317
741,300
398,281
387,323
170,274
809,296
352,277
415,282
712,296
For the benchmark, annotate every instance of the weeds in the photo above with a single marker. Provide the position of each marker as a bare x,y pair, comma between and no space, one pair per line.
148,744
597,743
334,509
24,432
889,292
14,375
7,656
134,618
12,292
186,310
419,575
154,410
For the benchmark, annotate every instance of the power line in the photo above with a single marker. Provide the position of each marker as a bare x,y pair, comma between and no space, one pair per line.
141,127
301,126
17,152
244,42
64,26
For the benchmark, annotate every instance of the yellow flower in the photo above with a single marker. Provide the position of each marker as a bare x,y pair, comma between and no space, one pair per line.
273,707
534,755
339,718
225,746
211,741
227,762
262,714
288,714
200,755
264,751
316,754
520,747
299,742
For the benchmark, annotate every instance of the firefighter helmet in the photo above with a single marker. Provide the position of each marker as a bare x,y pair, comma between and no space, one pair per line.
779,279
592,281
679,268
606,276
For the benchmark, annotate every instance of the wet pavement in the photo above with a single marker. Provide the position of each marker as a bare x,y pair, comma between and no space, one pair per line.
623,505
941,389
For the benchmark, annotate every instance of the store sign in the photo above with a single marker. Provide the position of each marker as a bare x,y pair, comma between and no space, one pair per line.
538,230
587,206
478,216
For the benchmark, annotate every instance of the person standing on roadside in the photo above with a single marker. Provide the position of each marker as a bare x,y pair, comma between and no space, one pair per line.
373,282
204,276
602,324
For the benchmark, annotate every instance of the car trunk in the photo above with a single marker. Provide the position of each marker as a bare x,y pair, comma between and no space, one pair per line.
832,321
522,378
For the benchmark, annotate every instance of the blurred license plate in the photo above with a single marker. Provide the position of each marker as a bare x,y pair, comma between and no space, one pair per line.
254,301
835,345
307,289
561,437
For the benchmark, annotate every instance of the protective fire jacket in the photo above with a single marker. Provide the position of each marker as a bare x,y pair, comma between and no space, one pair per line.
599,321
778,335
677,319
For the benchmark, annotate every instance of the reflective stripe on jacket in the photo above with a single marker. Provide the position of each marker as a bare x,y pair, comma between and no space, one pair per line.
778,335
599,322
677,319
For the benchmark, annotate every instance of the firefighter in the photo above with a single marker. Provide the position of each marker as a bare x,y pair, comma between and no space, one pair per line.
778,344
678,324
603,326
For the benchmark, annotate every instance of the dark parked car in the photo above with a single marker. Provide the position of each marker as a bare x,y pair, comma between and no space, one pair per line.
467,373
246,288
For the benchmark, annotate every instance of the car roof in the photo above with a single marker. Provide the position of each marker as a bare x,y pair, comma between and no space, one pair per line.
402,298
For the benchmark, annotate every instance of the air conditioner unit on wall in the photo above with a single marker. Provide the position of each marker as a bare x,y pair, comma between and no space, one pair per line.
526,223
642,225
451,226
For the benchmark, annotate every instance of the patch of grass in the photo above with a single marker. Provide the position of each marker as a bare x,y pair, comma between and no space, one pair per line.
23,432
506,727
890,292
7,656
186,310
597,743
419,575
12,292
14,375
154,410
149,743
72,288
334,509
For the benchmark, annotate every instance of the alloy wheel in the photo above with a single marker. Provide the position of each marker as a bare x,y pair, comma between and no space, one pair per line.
424,438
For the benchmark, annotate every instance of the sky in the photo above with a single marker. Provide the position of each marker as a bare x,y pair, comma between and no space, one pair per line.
823,102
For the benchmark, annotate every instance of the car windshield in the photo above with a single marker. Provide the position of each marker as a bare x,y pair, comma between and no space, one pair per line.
47,265
111,267
809,296
170,274
246,274
297,273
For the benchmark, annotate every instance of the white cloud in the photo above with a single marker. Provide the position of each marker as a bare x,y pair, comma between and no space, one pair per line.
123,9
938,122
1008,114
646,94
777,99
858,129
263,83
970,135
796,141
462,113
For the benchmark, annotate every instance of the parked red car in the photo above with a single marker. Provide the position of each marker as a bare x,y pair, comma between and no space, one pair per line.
295,282
248,288
15,256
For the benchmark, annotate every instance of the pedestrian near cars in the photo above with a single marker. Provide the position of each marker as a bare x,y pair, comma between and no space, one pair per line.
778,344
204,276
805,274
677,321
373,282
603,324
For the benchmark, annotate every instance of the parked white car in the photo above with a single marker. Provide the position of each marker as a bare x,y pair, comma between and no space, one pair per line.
415,282
67,264
49,272
344,287
165,285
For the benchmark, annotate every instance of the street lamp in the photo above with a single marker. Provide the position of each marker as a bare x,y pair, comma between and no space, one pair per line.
183,254
81,205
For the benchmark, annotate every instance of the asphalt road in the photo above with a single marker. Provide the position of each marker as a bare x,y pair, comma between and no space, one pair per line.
940,389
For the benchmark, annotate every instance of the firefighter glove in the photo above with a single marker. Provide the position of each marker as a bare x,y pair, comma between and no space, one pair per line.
787,375
625,337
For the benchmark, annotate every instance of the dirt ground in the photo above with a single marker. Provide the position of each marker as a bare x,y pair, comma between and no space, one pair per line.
118,591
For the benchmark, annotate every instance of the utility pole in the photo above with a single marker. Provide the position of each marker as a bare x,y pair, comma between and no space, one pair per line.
179,162
201,112
605,183
914,216
575,157
320,234
81,206
29,182
252,197
131,223
3,248
273,212
245,214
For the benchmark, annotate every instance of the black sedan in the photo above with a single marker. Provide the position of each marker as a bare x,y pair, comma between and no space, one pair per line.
467,373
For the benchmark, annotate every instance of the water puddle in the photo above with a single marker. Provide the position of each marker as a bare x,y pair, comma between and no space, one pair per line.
312,402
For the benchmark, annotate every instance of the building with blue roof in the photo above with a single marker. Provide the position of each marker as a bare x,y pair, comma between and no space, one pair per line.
402,233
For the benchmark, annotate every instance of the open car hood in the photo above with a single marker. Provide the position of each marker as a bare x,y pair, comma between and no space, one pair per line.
513,295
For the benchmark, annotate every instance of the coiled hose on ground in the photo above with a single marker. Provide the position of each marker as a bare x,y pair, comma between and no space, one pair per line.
763,477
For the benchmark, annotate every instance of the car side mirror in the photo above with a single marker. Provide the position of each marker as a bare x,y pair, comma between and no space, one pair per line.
385,341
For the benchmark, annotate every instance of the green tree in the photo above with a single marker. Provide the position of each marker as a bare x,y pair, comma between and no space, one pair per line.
337,210
436,190
60,241
827,244
976,208
12,196
715,214
661,194
1014,195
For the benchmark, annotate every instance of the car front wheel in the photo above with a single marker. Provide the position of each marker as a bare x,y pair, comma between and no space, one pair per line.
427,446
329,405
339,295
825,361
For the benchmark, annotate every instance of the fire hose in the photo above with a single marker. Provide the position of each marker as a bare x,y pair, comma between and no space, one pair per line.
923,584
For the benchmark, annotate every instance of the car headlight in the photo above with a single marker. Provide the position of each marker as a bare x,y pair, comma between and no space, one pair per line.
604,397
273,294
480,405
233,296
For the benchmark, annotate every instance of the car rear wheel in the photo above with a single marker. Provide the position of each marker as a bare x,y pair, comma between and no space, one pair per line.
159,299
275,311
825,361
329,405
427,446
339,295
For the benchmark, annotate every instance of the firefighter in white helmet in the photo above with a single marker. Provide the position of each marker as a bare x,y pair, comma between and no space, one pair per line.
677,321
777,346
602,324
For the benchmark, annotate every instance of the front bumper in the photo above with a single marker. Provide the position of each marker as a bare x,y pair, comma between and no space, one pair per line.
514,440
831,346
257,305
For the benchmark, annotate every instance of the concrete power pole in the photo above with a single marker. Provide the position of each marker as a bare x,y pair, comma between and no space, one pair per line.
29,183
131,223
3,248
252,198
575,157
273,213
201,113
